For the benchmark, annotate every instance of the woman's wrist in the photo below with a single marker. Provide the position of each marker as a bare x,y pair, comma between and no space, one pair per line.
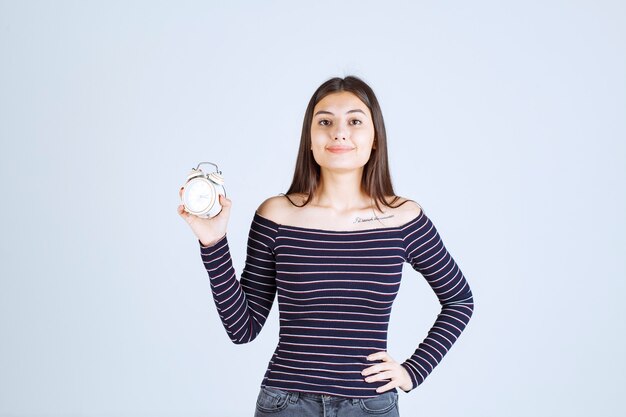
210,242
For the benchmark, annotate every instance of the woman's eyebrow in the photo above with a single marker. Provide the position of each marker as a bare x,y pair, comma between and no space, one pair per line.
349,111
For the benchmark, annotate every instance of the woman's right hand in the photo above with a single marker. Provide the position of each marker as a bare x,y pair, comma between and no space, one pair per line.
208,231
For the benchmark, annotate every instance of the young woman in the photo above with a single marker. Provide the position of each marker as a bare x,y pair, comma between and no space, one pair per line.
333,248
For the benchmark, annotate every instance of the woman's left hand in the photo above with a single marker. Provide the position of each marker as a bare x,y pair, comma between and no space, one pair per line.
388,369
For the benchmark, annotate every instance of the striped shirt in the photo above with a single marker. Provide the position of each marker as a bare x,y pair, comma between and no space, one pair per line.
335,292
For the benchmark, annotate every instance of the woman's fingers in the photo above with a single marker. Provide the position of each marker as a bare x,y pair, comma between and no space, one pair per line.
389,385
225,201
389,369
181,208
380,355
383,374
370,370
185,215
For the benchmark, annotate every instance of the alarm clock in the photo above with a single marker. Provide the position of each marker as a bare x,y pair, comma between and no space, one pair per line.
201,192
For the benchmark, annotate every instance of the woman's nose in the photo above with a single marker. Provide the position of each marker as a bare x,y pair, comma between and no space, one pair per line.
340,133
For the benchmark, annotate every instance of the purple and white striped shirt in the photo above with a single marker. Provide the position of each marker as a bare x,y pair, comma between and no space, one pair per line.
335,293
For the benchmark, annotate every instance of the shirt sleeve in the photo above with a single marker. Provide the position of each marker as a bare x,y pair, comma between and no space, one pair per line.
243,305
426,253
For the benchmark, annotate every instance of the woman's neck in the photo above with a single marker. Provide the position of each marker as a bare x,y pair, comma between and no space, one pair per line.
341,192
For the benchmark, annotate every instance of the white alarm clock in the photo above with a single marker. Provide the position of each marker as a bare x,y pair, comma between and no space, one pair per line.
201,192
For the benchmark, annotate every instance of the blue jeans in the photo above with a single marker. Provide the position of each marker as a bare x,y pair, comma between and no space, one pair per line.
279,403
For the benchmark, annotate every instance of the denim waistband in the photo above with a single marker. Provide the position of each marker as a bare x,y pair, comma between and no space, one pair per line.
322,397
294,395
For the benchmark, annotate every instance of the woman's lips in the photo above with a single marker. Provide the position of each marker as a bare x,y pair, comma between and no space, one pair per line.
339,149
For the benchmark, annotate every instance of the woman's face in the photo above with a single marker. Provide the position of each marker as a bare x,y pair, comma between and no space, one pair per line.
342,132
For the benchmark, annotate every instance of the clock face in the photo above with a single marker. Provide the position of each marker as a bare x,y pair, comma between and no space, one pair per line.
199,195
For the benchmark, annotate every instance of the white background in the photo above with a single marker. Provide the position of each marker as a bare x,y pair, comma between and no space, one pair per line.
505,121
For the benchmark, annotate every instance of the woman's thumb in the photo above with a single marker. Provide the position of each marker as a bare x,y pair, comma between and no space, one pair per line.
225,202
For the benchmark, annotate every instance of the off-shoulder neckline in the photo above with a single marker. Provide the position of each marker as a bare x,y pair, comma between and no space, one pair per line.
310,229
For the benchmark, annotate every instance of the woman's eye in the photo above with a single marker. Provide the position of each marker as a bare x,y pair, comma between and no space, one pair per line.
326,122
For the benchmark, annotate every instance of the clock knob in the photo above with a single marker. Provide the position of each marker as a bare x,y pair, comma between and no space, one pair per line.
194,173
216,178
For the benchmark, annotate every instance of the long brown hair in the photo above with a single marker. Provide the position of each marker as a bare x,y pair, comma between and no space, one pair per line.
376,179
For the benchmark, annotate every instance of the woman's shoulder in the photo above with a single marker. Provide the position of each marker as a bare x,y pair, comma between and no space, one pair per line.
277,208
404,208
